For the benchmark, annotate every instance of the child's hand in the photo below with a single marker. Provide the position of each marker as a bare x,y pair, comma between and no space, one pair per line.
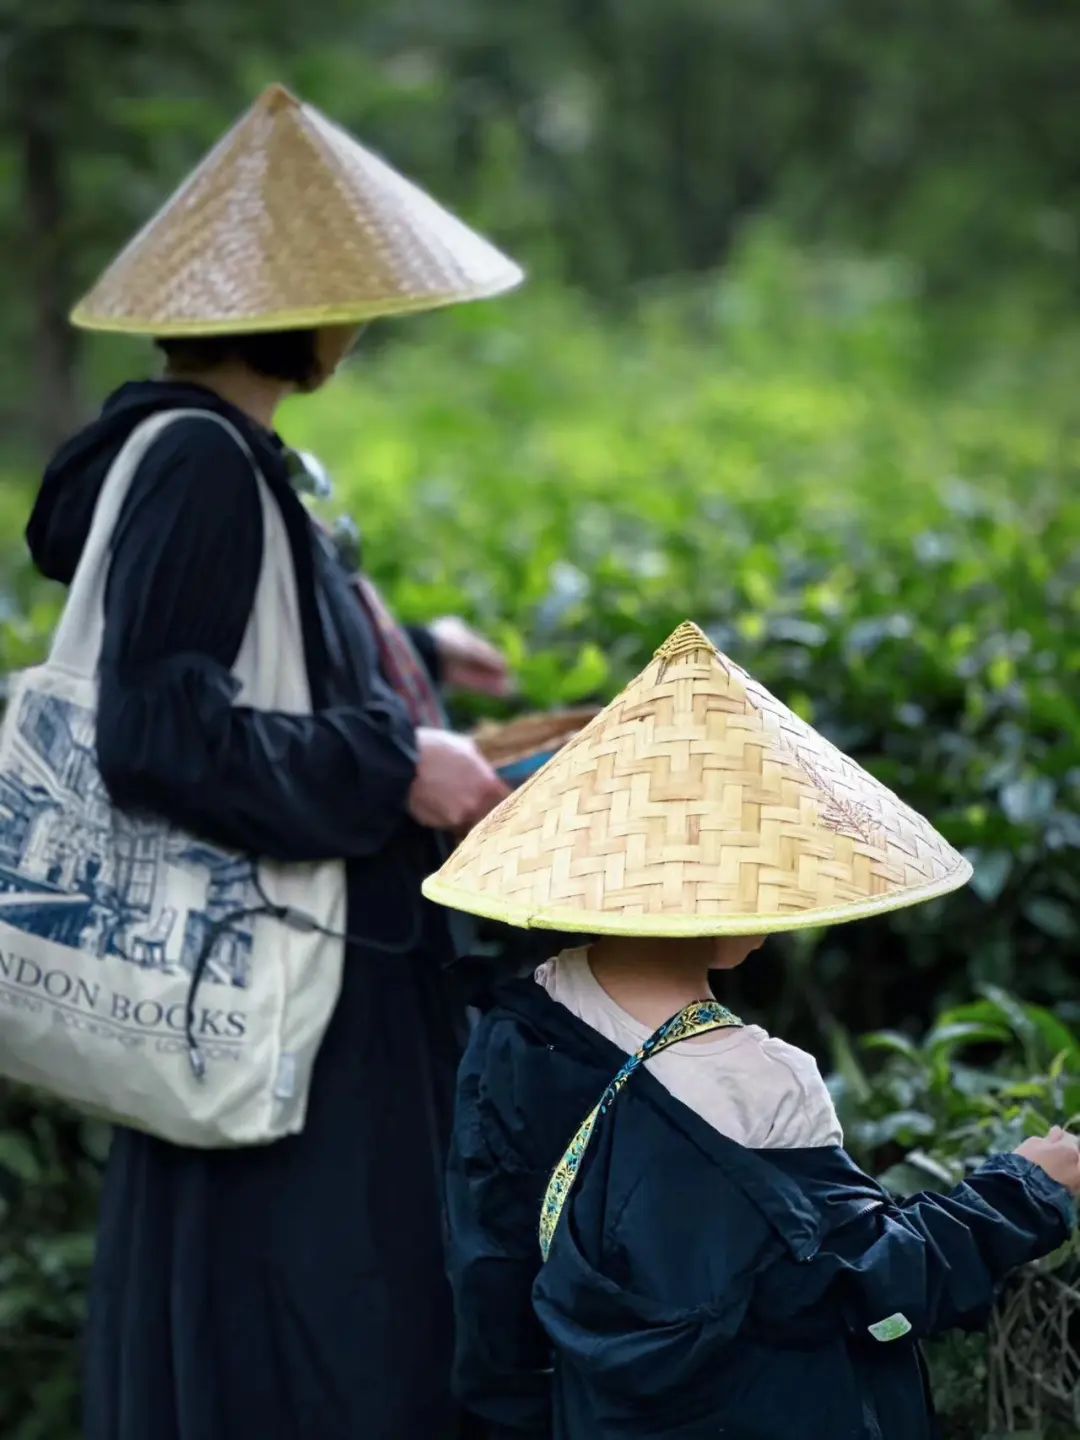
1058,1154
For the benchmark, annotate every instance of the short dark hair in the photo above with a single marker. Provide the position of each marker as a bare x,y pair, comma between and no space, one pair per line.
289,355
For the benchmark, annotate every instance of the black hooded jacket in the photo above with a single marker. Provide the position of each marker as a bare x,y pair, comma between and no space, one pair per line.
696,1288
60,520
299,1288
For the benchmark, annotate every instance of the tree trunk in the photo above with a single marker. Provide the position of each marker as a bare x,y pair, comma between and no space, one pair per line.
46,223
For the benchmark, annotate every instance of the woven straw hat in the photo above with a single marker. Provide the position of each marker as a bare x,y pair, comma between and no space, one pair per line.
697,804
290,223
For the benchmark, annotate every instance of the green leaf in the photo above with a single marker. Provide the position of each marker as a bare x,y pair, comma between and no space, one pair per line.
1057,1260
96,1139
893,1042
902,1179
846,1063
1012,1011
60,1254
1040,1028
17,1156
959,1033
1060,1063
903,1125
991,871
1052,918
17,1304
1024,1090
936,1170
1035,1122
586,679
1028,801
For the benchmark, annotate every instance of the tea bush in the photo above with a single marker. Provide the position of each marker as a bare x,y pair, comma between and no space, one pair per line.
927,1113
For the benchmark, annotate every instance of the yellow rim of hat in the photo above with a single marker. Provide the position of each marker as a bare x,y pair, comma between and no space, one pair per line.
288,319
586,922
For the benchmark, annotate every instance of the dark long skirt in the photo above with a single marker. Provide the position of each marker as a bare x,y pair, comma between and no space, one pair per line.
294,1292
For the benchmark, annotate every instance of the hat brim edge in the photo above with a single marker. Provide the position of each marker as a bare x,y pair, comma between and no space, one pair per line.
83,318
676,927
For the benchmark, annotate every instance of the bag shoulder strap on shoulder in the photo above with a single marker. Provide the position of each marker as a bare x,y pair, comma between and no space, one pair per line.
77,642
699,1018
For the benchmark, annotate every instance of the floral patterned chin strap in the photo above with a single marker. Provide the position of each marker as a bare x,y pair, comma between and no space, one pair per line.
697,1019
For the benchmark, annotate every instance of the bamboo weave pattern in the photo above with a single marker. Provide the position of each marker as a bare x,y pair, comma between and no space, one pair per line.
697,803
289,222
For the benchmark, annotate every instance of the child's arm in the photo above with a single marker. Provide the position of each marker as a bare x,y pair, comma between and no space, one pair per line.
937,1259
502,1365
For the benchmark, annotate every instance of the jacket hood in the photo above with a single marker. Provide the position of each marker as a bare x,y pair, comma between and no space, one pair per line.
64,509
777,1183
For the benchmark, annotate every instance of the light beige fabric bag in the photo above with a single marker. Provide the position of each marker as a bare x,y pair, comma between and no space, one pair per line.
145,974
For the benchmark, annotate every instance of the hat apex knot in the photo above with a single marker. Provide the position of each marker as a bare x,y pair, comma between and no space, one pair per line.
276,97
688,639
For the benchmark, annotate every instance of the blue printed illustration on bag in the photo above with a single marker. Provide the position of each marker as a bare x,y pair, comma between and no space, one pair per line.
77,871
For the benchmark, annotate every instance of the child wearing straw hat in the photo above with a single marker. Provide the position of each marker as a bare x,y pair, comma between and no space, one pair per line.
655,1228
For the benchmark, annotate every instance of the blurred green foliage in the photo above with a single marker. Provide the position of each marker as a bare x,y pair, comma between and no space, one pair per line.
923,1110
49,1180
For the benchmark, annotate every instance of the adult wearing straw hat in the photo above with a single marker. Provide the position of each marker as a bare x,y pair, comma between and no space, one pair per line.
297,1291
655,1228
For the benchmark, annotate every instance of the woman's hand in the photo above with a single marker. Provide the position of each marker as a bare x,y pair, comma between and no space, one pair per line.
455,787
1058,1154
469,662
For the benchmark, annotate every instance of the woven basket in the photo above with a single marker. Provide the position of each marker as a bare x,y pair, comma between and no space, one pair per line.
526,738
697,804
290,223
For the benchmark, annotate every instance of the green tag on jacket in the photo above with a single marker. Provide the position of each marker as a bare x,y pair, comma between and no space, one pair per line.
894,1328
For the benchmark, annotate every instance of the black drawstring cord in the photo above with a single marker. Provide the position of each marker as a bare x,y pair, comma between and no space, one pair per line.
288,915
301,920
213,935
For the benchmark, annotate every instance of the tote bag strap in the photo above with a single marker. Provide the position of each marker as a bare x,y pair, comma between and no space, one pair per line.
699,1018
77,642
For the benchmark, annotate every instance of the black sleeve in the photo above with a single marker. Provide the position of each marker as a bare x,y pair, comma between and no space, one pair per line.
186,557
502,1368
937,1260
425,646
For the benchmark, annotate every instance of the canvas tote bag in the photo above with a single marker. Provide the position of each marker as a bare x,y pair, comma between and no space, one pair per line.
147,975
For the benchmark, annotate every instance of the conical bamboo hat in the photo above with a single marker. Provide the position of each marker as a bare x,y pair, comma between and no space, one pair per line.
697,804
290,223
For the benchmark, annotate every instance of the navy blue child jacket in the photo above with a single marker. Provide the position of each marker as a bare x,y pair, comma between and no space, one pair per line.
697,1289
